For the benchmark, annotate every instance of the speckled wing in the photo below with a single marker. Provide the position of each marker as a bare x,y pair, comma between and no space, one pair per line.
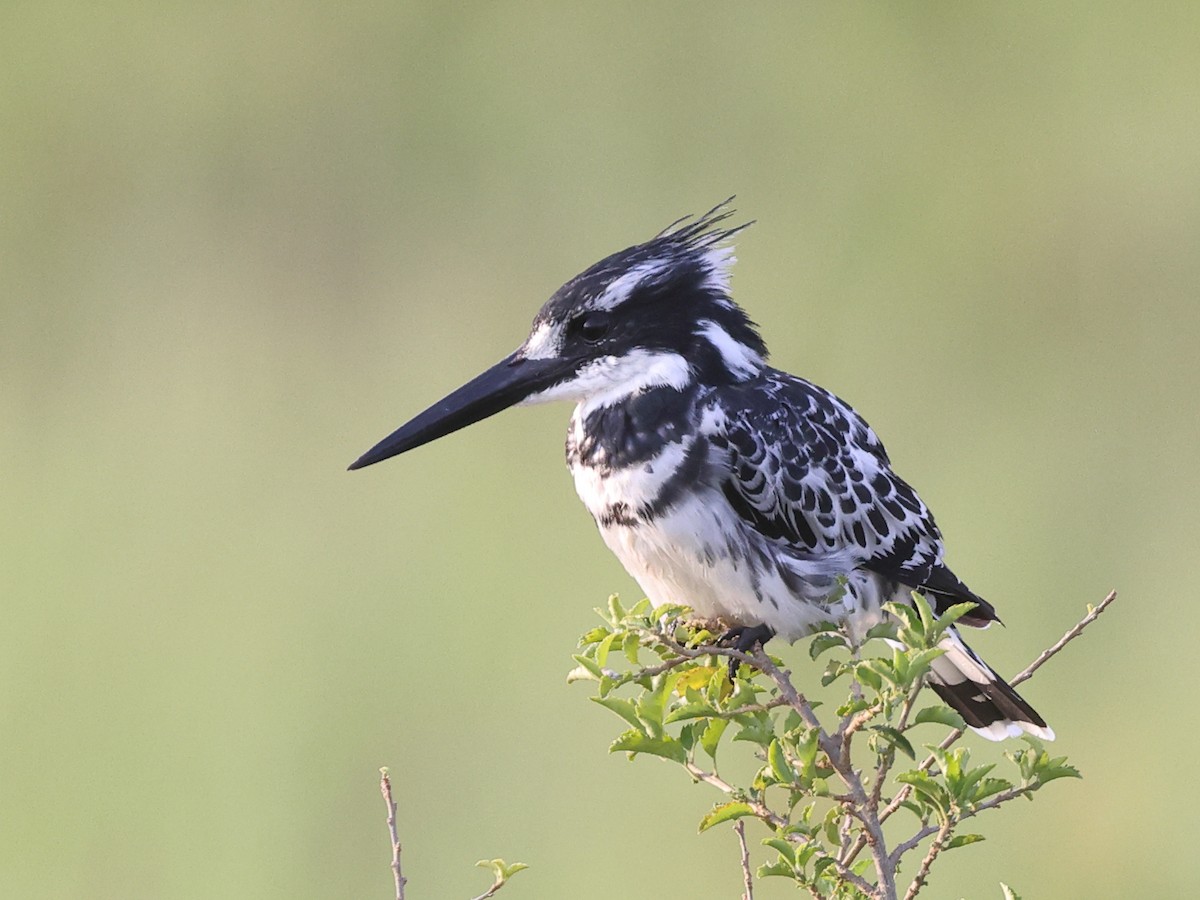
807,471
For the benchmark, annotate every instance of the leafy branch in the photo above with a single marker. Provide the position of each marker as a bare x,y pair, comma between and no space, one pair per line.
825,786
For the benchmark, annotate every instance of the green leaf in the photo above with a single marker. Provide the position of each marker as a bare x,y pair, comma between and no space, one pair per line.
967,786
856,705
781,868
895,739
687,735
589,665
779,764
623,708
950,762
726,812
833,817
785,848
909,621
806,751
989,787
868,676
651,705
616,612
821,865
642,611
603,647
634,742
827,641
961,840
756,731
501,871
579,673
928,790
952,615
606,685
595,636
883,669
942,715
698,710
630,647
1048,769
928,619
919,662
711,737
662,612
697,677
885,629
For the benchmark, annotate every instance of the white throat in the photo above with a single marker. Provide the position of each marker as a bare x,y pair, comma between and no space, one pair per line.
610,379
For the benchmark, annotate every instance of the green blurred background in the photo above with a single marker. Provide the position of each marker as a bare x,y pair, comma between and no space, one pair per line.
239,243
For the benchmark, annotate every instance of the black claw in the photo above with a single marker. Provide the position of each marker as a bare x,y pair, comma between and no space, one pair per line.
744,638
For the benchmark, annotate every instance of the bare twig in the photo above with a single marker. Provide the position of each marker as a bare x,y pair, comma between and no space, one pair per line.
760,810
1092,616
696,652
783,680
491,892
934,849
385,788
750,708
887,760
1004,796
747,876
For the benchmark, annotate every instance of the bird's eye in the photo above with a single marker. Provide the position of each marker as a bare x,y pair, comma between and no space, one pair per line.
592,327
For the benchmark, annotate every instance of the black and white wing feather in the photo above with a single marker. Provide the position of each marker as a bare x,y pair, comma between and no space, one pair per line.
806,470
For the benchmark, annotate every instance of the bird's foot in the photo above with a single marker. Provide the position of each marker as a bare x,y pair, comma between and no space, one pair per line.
744,638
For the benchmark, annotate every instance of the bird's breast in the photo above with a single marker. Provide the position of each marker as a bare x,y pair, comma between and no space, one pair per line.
640,492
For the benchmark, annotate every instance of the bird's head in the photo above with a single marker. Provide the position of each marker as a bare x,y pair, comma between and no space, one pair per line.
655,314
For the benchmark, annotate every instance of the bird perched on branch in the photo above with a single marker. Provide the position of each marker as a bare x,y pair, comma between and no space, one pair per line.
721,483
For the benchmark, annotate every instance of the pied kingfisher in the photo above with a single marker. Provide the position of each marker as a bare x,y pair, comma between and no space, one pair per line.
746,493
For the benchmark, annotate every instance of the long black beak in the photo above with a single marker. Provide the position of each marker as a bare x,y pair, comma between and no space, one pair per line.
510,381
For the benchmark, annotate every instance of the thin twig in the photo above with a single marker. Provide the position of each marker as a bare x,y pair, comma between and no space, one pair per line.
701,650
923,870
1092,616
747,877
760,810
491,892
838,754
996,800
783,680
385,788
888,759
750,708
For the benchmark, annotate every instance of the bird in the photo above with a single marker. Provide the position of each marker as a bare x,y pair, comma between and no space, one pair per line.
752,496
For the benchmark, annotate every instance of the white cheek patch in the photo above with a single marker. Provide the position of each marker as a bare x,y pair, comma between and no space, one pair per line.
545,342
610,379
738,358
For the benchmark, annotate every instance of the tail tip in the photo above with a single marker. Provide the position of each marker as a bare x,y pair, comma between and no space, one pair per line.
1002,729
